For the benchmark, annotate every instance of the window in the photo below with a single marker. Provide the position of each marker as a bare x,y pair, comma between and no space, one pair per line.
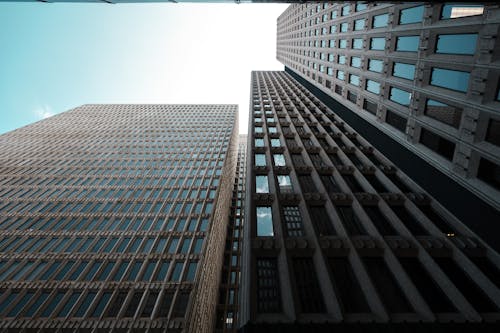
373,86
343,27
456,44
493,132
342,43
259,142
400,96
396,121
261,184
340,75
380,21
405,71
268,291
342,59
284,183
275,143
375,65
380,221
370,106
321,221
357,43
354,80
450,79
331,43
329,71
346,10
411,15
264,221
293,221
333,29
260,160
307,286
443,112
307,184
377,43
352,97
356,62
436,143
331,57
460,10
489,172
407,43
279,160
350,220
359,24
361,6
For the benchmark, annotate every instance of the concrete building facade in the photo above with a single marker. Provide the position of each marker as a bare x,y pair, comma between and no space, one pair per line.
114,218
337,237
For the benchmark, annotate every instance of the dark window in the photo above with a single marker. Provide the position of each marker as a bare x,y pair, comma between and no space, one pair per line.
150,303
443,112
430,291
354,159
69,304
380,221
375,182
493,132
84,306
165,304
370,106
409,220
438,144
352,96
317,160
338,89
307,184
117,304
386,285
101,304
293,221
353,183
350,221
330,184
399,183
466,285
396,121
489,172
181,303
298,160
488,268
20,304
347,286
321,221
306,282
335,159
134,304
399,96
268,291
436,219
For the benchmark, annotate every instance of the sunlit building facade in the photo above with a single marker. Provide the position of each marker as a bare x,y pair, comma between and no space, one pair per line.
420,74
338,238
114,218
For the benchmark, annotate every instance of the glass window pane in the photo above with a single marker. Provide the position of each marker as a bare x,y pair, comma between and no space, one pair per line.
456,44
375,65
261,184
380,21
407,43
343,43
345,10
377,43
357,43
411,15
373,86
260,159
443,112
400,96
356,62
450,79
460,10
259,142
264,221
406,71
359,24
284,183
275,143
354,80
361,6
340,75
343,27
279,160
342,59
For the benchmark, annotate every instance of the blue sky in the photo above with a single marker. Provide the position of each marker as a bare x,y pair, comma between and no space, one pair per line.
58,56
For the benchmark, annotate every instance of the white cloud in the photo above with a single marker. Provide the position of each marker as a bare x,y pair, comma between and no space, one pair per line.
43,112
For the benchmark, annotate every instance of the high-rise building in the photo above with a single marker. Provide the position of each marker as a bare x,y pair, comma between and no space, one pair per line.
336,237
156,1
227,311
420,81
114,217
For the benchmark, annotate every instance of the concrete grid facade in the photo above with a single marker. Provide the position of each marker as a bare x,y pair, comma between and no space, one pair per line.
427,75
114,218
337,234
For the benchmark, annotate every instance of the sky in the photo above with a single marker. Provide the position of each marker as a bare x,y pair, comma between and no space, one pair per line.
54,57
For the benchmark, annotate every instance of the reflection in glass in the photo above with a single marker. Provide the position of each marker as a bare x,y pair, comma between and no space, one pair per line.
377,43
375,65
411,15
260,159
407,43
405,71
460,10
443,112
356,62
354,79
373,86
357,43
450,79
264,221
456,44
400,96
380,21
279,160
285,184
261,184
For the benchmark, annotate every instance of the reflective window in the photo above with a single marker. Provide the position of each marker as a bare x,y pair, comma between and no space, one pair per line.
411,15
340,75
261,184
331,43
279,159
354,80
443,112
456,44
437,143
407,43
346,10
331,57
343,27
260,159
284,183
450,79
342,59
359,24
396,121
264,221
272,130
377,43
405,71
373,86
259,142
380,21
329,71
400,96
343,43
361,6
357,43
460,10
375,65
356,62
333,29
